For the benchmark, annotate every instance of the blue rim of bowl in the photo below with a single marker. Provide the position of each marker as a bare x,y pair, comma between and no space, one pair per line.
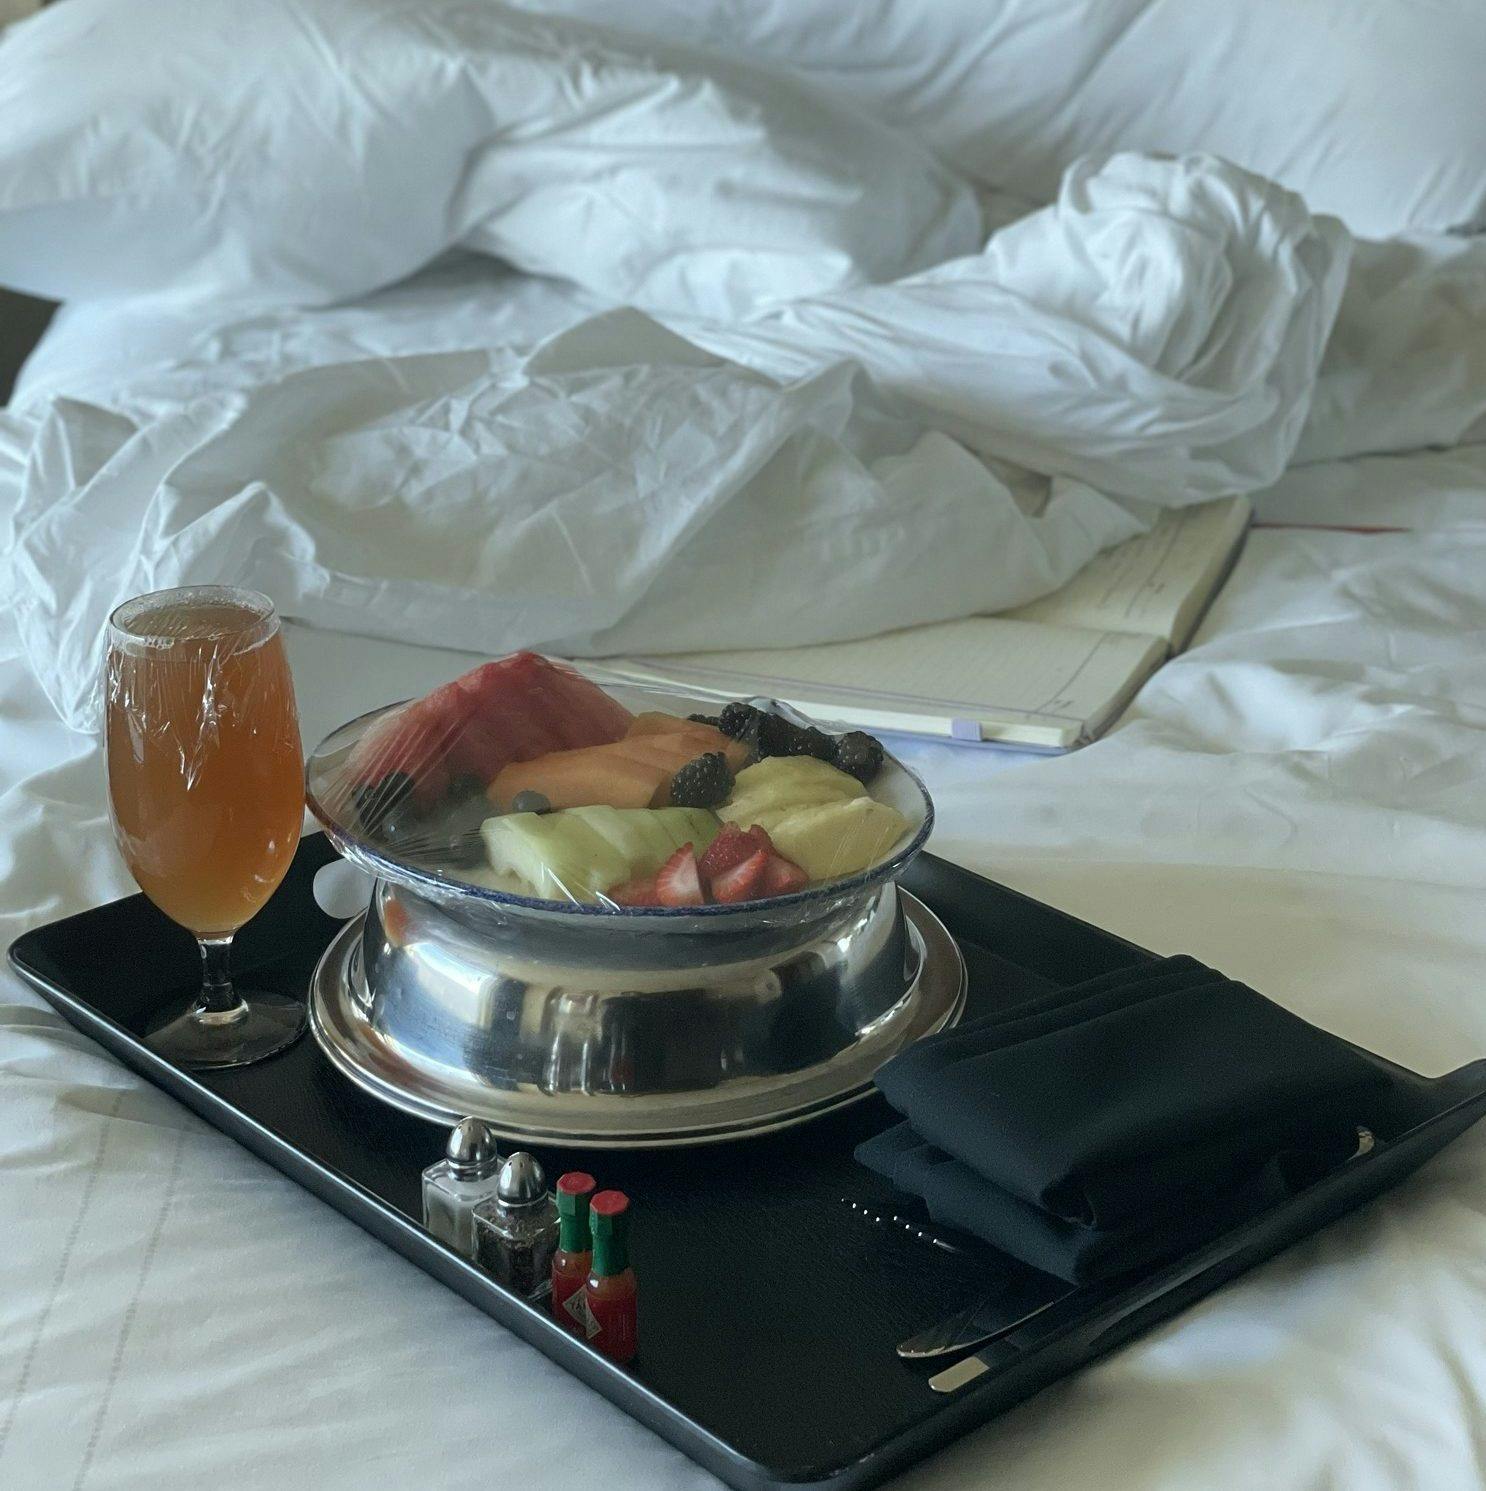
411,875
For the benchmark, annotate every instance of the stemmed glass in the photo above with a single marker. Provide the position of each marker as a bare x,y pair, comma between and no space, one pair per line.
206,786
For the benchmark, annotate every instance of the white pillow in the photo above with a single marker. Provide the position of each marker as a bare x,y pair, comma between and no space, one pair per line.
1373,112
311,150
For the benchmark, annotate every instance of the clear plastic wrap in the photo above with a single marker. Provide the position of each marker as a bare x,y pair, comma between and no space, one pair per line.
528,784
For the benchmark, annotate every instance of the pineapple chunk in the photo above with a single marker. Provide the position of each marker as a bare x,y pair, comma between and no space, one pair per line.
838,838
786,782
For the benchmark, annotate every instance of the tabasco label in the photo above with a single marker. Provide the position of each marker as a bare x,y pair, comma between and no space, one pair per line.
576,1306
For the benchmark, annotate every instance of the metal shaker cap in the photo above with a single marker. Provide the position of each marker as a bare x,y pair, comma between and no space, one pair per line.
471,1149
522,1180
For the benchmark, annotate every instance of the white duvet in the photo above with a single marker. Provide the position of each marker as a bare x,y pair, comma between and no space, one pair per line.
1156,334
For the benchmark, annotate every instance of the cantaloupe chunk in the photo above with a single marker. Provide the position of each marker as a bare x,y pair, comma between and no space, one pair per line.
670,751
592,776
634,772
655,722
707,737
674,751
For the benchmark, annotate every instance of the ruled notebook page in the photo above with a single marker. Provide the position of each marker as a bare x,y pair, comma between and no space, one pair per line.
988,678
1158,584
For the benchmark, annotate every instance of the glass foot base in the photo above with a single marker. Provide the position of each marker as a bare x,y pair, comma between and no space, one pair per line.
260,1025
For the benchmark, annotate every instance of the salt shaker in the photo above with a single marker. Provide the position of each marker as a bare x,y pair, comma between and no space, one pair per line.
516,1230
467,1175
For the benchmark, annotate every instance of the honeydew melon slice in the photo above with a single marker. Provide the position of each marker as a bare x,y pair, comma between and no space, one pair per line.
647,837
559,856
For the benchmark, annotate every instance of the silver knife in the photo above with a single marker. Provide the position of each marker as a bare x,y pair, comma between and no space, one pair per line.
1011,1303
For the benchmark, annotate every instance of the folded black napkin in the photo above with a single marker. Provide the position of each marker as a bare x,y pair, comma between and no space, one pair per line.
1121,1120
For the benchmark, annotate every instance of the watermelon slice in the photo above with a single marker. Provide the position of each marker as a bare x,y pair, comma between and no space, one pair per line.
514,709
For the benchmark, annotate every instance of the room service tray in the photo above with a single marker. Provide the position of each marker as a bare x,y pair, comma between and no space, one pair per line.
776,1275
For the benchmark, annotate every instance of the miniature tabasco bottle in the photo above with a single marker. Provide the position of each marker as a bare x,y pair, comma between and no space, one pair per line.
574,1255
611,1293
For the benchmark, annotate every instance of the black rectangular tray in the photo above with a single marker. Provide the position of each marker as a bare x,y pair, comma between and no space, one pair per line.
771,1300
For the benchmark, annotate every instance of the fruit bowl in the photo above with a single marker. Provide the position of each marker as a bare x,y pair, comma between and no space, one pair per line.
587,1022
424,865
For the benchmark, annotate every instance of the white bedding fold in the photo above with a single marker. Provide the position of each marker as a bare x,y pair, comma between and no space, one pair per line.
1156,331
1154,334
618,490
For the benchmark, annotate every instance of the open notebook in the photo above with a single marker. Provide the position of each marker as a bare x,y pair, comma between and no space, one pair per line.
1050,675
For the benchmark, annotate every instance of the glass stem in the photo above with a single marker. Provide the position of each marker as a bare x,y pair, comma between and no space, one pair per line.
218,997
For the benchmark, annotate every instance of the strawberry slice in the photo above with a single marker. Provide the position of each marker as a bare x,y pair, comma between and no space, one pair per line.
760,836
678,882
639,892
782,877
744,881
731,847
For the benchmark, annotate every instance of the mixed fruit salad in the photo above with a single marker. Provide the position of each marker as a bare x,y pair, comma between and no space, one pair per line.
529,778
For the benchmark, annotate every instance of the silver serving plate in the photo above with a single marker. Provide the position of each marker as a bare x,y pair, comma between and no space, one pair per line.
574,1023
444,1025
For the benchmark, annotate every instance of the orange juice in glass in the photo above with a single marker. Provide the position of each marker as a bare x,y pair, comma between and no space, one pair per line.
206,786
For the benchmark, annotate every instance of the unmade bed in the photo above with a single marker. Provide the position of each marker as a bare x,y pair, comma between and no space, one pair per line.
1296,799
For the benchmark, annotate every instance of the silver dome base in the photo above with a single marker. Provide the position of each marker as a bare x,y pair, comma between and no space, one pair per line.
539,1034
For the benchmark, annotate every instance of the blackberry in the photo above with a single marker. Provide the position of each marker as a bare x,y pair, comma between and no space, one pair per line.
741,721
702,783
707,719
859,755
777,736
810,742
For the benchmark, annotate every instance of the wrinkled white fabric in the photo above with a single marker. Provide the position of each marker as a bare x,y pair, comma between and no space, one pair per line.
303,151
598,498
1373,112
1156,331
1406,363
1154,334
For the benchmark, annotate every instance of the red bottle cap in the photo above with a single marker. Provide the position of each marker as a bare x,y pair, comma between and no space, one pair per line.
609,1203
575,1183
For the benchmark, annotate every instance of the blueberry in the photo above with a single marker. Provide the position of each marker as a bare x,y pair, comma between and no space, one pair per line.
530,802
375,802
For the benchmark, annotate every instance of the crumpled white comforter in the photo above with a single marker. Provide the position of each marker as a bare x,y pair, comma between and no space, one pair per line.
864,458
1154,335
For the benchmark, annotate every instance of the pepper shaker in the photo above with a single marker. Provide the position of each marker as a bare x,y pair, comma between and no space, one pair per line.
467,1175
516,1230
